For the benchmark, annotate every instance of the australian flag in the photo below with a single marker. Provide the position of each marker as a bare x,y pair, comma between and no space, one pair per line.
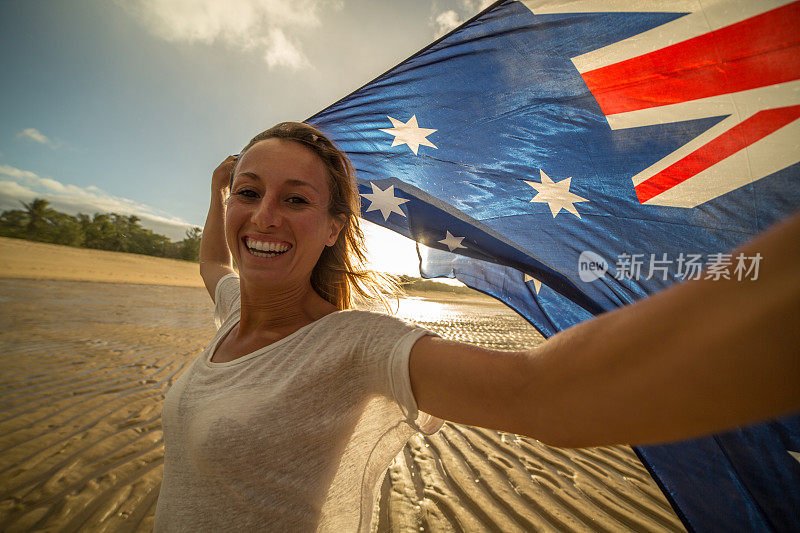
569,157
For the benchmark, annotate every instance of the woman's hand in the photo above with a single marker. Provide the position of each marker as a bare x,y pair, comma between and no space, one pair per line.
215,258
221,177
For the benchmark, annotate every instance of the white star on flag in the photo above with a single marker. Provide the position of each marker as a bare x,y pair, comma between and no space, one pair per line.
794,454
537,285
452,241
555,194
386,201
410,134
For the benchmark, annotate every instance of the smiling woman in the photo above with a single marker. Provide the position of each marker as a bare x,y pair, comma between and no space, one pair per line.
321,180
268,209
293,412
290,417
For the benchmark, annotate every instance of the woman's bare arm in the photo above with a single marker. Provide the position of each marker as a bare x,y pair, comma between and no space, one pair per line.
215,257
700,357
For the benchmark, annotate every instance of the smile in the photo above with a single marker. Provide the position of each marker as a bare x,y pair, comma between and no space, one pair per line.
266,249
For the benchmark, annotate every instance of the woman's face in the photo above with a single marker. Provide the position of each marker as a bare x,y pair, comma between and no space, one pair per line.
277,221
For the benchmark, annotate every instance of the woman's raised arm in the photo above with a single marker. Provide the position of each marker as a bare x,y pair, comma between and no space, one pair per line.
215,257
700,357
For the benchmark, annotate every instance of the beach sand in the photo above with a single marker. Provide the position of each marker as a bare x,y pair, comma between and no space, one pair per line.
84,367
40,260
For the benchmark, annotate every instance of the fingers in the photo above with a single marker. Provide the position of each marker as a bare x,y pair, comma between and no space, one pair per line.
222,174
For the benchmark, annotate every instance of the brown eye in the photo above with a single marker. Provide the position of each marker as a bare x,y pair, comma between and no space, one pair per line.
247,193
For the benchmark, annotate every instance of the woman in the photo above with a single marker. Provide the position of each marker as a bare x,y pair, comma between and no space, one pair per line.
289,418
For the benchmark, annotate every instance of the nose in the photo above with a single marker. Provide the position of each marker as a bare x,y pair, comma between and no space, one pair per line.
266,214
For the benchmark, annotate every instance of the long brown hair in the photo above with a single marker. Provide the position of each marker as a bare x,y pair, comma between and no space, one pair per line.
340,275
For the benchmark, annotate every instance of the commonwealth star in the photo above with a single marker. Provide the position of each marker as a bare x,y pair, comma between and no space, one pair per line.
384,200
556,194
410,134
452,242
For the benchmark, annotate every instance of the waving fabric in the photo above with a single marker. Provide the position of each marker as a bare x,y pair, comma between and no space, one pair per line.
571,157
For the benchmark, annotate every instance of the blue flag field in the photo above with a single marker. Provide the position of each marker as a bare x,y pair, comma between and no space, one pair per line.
572,157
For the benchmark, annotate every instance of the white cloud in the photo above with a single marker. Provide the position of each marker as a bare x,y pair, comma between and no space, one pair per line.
282,53
446,21
245,25
12,189
473,7
25,185
12,172
32,134
451,19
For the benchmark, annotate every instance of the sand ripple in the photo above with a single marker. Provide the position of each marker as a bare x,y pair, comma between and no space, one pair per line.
84,368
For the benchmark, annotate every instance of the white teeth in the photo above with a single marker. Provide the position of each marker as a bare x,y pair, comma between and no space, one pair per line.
261,246
263,254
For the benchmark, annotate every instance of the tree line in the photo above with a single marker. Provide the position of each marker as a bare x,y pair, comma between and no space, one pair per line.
102,231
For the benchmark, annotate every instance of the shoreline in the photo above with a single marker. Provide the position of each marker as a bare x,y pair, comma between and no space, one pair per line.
33,260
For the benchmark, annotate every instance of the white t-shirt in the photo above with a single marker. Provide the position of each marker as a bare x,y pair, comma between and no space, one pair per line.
294,436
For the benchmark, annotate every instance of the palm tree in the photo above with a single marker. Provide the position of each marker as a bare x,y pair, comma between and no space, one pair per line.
189,247
39,213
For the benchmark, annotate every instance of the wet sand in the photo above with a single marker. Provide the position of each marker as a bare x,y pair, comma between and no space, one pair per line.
84,368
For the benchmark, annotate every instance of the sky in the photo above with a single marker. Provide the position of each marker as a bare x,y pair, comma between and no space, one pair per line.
128,106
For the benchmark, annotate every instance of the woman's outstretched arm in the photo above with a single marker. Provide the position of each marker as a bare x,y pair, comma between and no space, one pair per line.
215,258
700,357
